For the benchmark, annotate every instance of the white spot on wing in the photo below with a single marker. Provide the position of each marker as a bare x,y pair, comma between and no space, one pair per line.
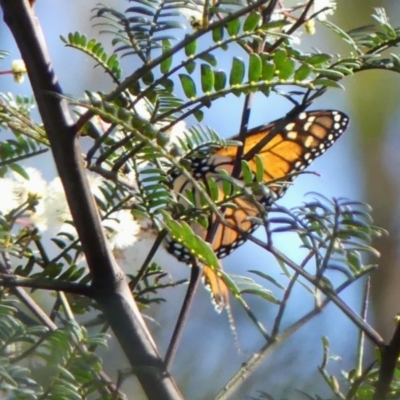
290,126
309,141
307,126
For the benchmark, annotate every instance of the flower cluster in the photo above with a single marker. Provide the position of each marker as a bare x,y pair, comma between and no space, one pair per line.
44,205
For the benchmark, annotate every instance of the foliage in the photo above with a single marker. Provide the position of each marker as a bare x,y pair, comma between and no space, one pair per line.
75,370
132,131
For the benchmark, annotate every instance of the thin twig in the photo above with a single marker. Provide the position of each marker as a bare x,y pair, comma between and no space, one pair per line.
183,315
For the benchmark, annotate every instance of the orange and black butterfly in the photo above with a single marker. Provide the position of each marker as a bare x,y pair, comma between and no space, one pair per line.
283,153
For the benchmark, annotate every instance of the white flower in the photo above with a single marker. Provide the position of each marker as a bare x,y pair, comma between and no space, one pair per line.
131,178
18,67
9,198
55,211
121,229
319,5
132,258
193,15
16,190
19,70
35,186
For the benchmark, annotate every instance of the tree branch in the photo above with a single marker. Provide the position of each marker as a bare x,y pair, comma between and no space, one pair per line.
12,281
389,356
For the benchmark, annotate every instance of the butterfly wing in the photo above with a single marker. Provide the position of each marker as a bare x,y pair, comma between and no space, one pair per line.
284,150
224,239
292,148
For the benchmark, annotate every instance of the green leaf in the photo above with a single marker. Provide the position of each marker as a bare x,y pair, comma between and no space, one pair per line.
218,34
280,57
261,292
190,48
219,80
237,71
83,41
207,78
319,59
354,261
134,88
199,115
212,189
268,71
182,233
233,27
259,168
97,49
303,72
142,10
168,84
190,67
247,172
19,170
342,34
188,85
76,37
266,90
255,68
274,24
53,269
166,64
209,58
226,187
287,69
329,73
252,22
148,78
268,278
342,69
124,115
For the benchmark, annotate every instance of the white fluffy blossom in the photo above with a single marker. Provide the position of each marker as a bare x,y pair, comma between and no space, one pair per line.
8,198
121,229
54,215
193,15
19,70
55,211
132,257
16,190
34,186
319,5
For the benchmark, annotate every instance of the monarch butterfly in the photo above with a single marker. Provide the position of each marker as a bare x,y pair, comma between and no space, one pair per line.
287,151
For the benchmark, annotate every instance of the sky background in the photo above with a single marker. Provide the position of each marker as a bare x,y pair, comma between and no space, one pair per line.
208,355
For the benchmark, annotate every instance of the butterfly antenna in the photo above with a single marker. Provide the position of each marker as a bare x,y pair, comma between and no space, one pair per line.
194,281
